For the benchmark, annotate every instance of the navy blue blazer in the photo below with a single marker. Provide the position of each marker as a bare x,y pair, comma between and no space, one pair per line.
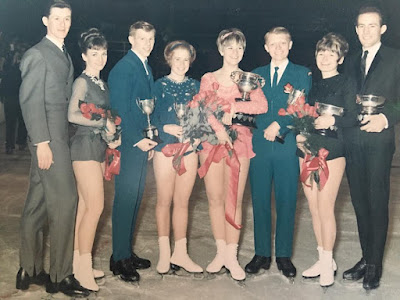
127,82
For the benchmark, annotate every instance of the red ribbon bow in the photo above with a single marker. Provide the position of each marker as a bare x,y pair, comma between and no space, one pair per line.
217,153
177,150
313,164
113,163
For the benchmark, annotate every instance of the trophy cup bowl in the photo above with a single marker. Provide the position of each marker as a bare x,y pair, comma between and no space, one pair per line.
180,111
370,105
147,107
246,82
330,110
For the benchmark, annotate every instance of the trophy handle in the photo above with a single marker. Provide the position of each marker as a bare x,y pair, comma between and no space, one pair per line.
234,77
138,103
261,81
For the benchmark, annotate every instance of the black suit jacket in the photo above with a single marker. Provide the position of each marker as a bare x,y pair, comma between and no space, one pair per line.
383,79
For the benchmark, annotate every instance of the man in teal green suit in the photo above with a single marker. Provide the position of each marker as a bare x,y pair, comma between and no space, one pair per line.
275,162
131,78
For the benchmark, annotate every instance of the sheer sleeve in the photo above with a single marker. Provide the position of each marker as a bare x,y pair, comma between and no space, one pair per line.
75,116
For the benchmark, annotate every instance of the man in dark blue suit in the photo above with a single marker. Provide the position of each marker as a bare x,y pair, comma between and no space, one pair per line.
275,163
370,148
131,78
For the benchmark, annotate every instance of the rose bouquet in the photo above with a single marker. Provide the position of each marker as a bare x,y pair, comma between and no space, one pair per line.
196,127
95,112
314,167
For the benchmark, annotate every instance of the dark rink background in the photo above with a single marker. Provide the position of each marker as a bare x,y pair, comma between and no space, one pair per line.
199,22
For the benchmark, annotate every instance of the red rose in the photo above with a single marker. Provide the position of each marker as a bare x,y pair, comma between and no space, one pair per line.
87,116
92,106
117,120
306,107
84,108
288,88
300,114
194,103
215,86
290,110
198,97
282,112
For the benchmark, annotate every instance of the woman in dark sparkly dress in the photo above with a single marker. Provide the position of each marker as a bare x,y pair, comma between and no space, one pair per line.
335,89
172,187
88,154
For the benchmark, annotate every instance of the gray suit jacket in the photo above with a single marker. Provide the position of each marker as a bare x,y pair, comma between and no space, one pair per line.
47,77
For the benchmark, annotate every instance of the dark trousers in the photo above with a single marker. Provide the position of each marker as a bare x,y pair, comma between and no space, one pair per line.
13,115
52,199
129,187
275,166
369,158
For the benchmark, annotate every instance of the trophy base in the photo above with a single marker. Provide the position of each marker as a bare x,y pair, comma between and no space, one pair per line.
244,120
327,132
152,134
243,99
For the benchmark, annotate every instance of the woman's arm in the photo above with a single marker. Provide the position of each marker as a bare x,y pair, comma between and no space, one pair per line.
75,115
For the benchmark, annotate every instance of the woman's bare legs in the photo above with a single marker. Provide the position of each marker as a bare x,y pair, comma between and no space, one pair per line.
322,208
172,187
89,177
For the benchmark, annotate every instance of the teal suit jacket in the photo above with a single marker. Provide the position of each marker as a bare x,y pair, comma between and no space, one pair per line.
299,77
127,82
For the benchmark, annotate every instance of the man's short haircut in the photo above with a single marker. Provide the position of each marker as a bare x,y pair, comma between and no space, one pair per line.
371,9
334,42
277,30
55,4
141,25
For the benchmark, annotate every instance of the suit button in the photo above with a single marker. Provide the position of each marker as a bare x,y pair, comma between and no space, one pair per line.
66,99
66,83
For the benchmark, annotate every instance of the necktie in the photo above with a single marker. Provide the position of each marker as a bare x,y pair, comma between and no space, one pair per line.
364,63
275,78
65,51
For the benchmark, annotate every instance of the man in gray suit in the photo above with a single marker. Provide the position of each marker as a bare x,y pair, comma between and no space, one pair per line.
47,76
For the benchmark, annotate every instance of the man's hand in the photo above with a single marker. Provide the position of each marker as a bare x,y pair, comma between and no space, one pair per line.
150,155
373,123
44,156
224,138
173,129
146,144
324,122
272,131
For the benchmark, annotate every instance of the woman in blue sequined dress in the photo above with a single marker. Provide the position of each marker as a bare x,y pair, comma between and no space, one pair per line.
171,187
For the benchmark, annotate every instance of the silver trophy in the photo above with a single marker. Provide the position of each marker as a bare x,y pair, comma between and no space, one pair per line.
246,82
330,110
370,105
147,107
180,111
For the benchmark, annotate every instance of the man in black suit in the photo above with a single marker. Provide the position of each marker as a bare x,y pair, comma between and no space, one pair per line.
47,76
370,147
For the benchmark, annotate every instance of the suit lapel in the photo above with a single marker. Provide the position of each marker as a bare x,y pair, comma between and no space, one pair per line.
57,51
